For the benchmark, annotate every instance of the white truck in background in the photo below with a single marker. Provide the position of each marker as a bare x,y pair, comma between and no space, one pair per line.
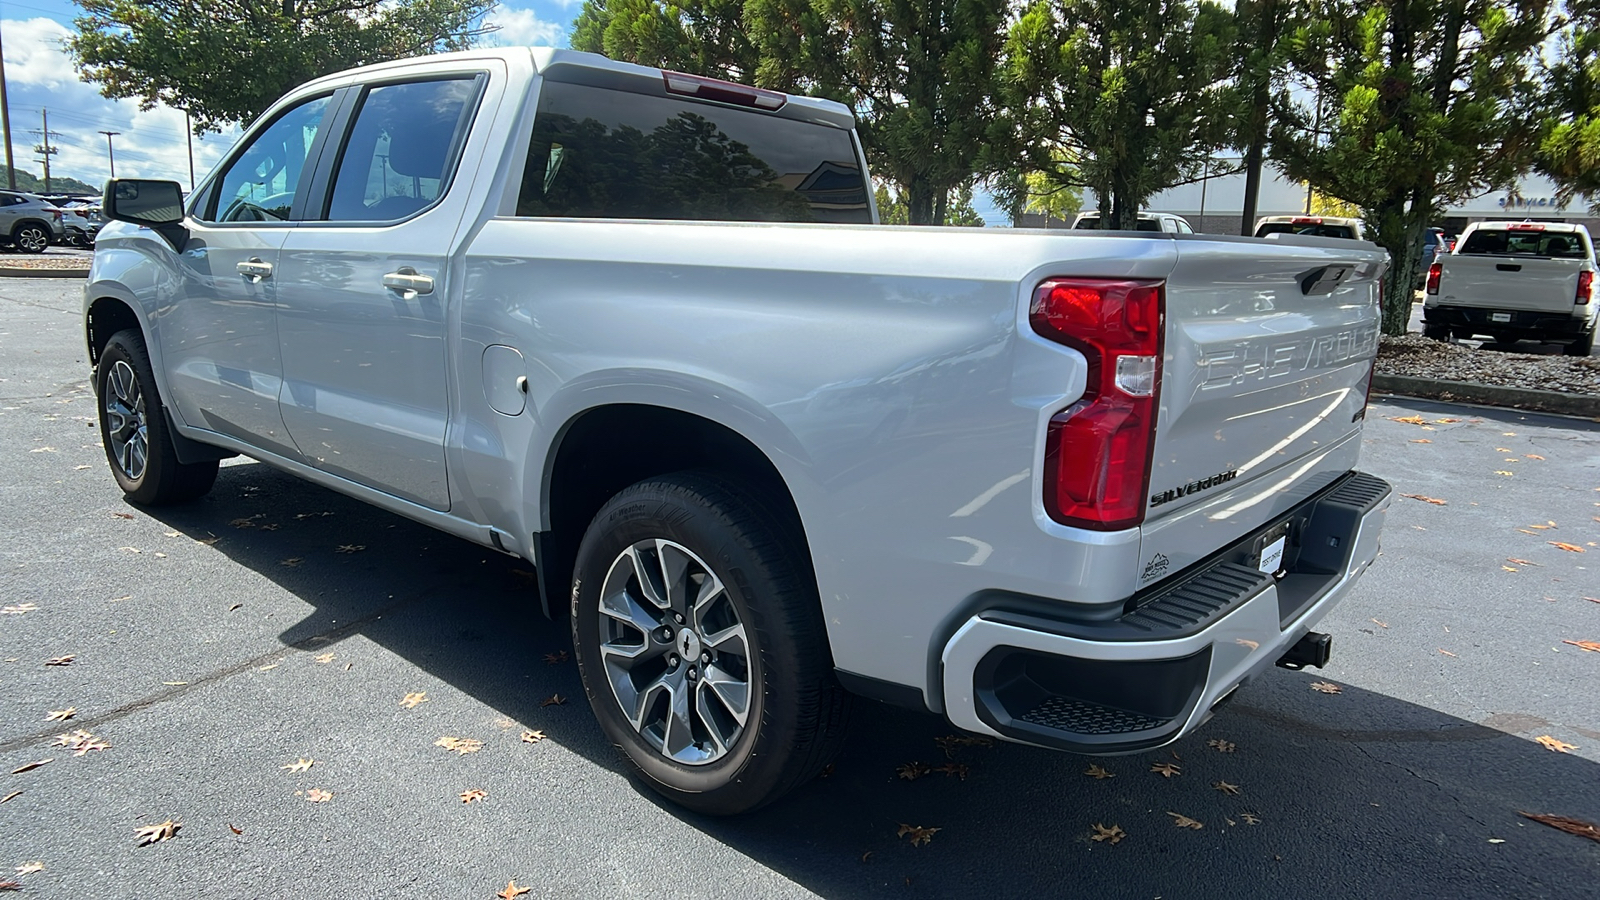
1513,281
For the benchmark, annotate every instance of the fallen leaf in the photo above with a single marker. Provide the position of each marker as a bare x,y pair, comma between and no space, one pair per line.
1562,823
268,667
318,795
73,739
208,541
461,746
551,659
1532,456
248,522
950,742
1435,501
553,700
18,610
325,658
912,771
10,886
1554,745
411,701
1446,652
155,834
1508,569
351,548
532,737
1379,623
61,660
61,715
919,834
1109,835
1326,687
291,562
1250,818
1526,531
1096,772
512,891
1521,562
234,607
1183,821
1167,770
1593,599
958,770
1591,646
43,450
1544,527
1445,421
1496,840
235,829
1409,420
28,868
474,794
1503,472
1221,745
303,765
11,796
503,722
1226,788
1570,548
1421,441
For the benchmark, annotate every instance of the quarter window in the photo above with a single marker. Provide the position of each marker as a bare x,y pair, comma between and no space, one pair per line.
260,184
402,149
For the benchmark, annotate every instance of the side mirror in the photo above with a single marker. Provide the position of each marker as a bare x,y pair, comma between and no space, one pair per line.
153,204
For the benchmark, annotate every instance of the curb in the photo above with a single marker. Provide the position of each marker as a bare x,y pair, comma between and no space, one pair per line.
1586,405
12,272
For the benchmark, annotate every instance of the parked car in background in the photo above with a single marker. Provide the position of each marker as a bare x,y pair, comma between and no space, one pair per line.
1516,280
81,222
28,223
1318,226
1165,222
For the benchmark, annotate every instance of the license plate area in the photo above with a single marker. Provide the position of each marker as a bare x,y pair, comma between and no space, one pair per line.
1270,551
1499,317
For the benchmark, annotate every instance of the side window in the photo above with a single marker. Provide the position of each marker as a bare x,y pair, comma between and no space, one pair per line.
1183,228
402,149
259,185
9,199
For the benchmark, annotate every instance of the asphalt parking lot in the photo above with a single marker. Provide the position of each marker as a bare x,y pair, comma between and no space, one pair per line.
215,646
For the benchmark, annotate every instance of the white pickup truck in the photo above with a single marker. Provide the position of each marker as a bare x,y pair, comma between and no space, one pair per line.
642,330
1515,280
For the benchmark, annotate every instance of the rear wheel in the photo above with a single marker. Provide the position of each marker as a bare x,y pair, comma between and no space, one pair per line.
701,643
1583,346
134,429
30,237
1437,332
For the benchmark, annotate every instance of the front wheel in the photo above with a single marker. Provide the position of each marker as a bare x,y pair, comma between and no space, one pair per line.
702,645
134,429
30,238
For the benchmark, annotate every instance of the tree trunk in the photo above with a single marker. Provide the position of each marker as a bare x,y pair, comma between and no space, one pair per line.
919,202
1267,18
1122,217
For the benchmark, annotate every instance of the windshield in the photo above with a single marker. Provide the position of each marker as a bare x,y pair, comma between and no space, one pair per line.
1317,230
1501,242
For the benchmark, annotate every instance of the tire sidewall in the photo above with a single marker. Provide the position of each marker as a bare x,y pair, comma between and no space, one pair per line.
706,534
126,346
24,228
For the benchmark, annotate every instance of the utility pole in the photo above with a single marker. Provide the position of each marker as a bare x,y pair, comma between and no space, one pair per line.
5,122
44,149
188,132
111,154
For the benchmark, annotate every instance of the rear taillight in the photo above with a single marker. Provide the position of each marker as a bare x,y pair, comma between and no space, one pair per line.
1434,271
1585,287
1098,450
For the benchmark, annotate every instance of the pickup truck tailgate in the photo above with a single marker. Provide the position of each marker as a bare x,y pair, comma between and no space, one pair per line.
1266,366
1509,282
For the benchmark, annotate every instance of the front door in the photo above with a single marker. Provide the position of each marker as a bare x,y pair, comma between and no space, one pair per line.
219,330
362,294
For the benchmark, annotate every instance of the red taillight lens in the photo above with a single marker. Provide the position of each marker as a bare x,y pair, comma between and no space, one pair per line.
1433,277
1098,451
1585,287
722,91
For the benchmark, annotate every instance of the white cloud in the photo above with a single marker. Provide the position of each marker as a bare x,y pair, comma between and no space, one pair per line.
523,28
34,53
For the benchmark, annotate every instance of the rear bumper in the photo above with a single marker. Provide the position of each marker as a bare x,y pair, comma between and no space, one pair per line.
1015,671
1518,322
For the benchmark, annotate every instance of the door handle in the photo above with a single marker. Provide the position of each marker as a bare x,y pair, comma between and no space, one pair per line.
408,282
254,269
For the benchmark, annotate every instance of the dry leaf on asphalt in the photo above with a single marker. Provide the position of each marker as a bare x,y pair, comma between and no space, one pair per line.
919,835
18,610
950,742
10,886
351,548
28,767
318,795
551,659
1226,788
1221,745
512,892
61,715
1552,744
1504,472
1421,441
1521,562
1434,500
1446,652
1531,456
10,797
1167,770
1508,569
303,765
958,770
1563,545
410,701
1094,771
461,746
474,794
325,658
291,562
155,834
1570,826
61,660
1591,646
1326,687
235,829
1183,821
1409,420
1250,818
1108,835
553,700
912,771
532,737
28,868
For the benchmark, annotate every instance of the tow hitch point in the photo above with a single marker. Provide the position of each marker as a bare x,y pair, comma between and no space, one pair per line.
1311,650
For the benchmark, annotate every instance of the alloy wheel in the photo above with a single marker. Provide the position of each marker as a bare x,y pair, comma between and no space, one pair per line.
126,427
32,239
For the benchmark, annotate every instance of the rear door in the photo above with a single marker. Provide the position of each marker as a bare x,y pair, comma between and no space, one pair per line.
364,290
1522,267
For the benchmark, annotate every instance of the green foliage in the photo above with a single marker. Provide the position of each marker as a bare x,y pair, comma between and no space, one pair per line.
1570,150
228,60
1125,97
705,37
1419,104
893,210
33,184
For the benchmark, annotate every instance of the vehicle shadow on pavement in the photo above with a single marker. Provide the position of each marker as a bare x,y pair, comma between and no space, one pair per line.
1354,794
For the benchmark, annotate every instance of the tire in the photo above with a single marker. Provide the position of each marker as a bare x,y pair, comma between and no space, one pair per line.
1436,332
756,615
1583,346
133,429
31,237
